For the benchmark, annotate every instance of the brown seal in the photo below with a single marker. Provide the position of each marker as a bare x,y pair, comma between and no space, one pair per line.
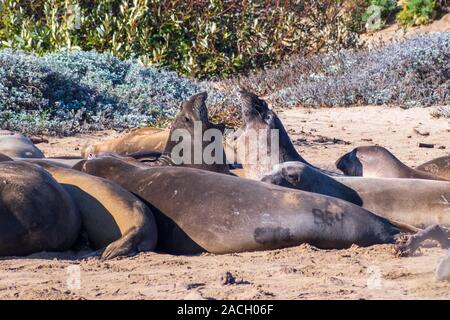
439,167
198,211
138,140
36,212
376,161
112,217
16,145
416,202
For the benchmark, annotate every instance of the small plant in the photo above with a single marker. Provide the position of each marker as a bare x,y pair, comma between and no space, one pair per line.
417,12
378,12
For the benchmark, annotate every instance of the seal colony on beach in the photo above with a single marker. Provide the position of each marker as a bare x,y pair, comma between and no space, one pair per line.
133,194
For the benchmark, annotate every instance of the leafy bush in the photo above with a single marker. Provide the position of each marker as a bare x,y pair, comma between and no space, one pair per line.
201,38
417,12
68,92
386,7
414,72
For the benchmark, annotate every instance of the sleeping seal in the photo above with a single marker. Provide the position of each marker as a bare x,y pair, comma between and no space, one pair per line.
111,216
138,140
18,145
439,167
375,161
198,211
36,213
416,202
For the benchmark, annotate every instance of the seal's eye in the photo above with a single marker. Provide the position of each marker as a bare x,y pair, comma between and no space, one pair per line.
186,119
268,118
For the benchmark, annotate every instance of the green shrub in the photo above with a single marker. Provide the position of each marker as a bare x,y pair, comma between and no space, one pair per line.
417,12
386,7
200,38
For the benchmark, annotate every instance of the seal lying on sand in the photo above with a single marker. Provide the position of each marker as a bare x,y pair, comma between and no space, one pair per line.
412,201
258,119
36,213
18,145
67,163
199,211
112,217
375,161
439,167
141,139
190,126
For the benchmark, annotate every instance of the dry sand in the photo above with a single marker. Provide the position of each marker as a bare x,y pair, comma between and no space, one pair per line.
302,272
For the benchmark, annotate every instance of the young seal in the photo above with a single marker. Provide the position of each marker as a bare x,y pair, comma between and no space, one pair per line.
439,167
378,162
36,212
199,211
16,145
138,140
416,202
111,216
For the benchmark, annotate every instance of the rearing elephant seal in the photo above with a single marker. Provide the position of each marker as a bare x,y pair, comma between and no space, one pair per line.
36,213
259,124
416,202
16,145
197,211
378,162
439,167
138,140
112,217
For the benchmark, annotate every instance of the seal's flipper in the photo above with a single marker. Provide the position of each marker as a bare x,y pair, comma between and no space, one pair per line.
413,242
131,243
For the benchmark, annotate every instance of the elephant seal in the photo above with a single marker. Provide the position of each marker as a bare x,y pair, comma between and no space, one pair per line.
60,162
416,202
261,124
18,145
112,217
187,145
141,139
4,157
36,212
199,211
378,162
439,167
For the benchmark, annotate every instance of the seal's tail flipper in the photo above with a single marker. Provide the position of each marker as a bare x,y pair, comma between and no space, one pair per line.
130,243
413,242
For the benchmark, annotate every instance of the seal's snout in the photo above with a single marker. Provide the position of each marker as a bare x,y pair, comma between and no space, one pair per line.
349,164
341,163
